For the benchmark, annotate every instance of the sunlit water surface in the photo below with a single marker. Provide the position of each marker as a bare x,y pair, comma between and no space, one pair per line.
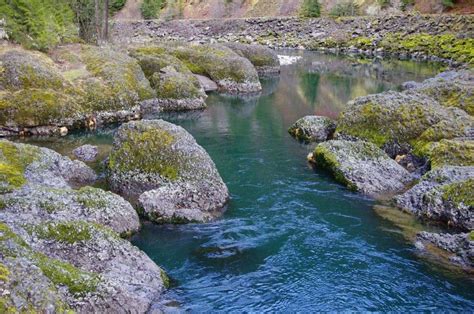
292,239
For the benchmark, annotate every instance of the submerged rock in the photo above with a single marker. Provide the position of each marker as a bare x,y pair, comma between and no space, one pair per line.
456,248
313,129
160,167
444,195
362,167
86,152
263,58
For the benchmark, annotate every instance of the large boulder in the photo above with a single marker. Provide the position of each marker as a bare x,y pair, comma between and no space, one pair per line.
443,194
313,129
59,266
456,248
160,167
414,119
176,86
263,58
231,72
362,167
60,242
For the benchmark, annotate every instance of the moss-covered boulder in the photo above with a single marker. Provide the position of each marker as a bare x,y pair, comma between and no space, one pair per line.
59,240
263,58
176,87
361,166
401,122
33,93
313,129
443,194
53,266
110,79
160,167
231,72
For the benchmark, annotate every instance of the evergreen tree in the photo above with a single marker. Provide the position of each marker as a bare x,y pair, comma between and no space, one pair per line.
311,8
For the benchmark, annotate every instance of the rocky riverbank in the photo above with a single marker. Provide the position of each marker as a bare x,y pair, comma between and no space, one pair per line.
418,143
436,37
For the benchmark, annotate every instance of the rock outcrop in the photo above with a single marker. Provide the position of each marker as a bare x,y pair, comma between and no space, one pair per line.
444,195
60,247
160,167
362,167
263,58
313,129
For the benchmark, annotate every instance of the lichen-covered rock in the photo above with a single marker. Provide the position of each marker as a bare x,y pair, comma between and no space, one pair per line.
445,195
111,80
231,72
457,248
176,87
397,122
160,167
451,89
56,266
60,246
362,167
206,83
22,69
313,129
263,58
86,152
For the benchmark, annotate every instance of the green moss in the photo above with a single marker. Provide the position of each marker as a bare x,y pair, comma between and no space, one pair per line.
460,192
140,152
446,46
65,274
325,159
90,197
165,278
450,152
10,243
66,232
4,273
471,236
13,162
36,107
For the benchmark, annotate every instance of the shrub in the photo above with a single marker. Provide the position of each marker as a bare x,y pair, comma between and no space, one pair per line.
447,3
383,3
346,8
150,9
311,8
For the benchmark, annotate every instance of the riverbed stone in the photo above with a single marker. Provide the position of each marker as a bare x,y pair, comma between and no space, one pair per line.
263,58
86,152
443,195
313,129
160,167
361,166
458,248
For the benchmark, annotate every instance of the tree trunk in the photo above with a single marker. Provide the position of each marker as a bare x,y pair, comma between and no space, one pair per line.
106,20
98,28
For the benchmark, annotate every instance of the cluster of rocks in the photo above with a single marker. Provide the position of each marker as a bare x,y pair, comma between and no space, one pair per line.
79,86
60,239
362,34
414,148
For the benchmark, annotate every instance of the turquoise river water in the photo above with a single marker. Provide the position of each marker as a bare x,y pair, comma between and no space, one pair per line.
292,239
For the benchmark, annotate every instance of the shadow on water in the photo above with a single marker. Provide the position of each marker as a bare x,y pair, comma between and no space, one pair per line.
292,239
